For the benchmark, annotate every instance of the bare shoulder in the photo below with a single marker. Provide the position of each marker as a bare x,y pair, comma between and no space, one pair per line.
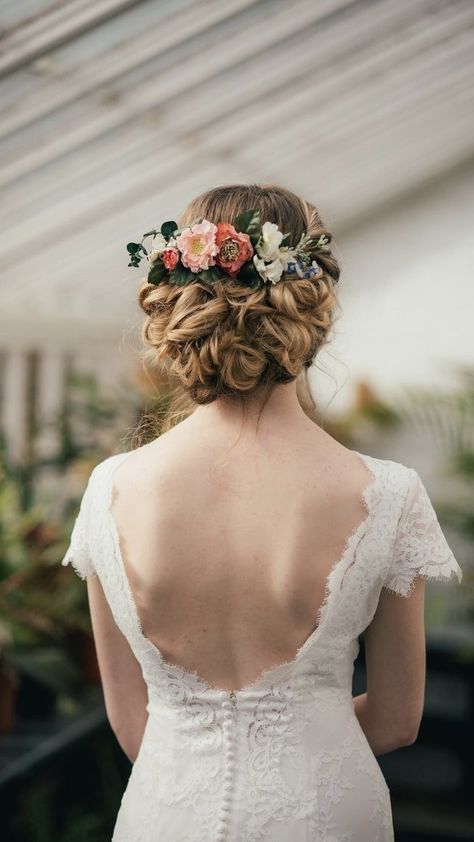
149,462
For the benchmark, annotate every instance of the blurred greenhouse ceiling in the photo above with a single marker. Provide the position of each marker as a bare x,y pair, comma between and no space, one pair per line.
114,114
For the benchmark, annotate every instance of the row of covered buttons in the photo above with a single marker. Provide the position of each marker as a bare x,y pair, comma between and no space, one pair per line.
228,705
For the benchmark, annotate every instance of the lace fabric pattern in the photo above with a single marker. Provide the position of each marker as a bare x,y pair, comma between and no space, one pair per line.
421,547
285,757
79,554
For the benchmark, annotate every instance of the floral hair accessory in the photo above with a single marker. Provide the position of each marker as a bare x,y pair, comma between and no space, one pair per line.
252,253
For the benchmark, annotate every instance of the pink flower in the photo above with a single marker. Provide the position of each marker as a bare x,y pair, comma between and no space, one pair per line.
198,246
170,258
234,248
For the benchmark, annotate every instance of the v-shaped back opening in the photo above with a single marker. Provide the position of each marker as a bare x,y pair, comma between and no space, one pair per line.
335,577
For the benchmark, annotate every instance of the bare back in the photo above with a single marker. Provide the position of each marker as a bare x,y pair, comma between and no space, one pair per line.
228,548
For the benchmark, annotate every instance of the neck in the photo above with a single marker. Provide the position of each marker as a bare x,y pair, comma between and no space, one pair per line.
282,408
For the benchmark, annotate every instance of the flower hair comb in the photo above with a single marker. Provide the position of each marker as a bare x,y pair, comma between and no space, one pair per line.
254,254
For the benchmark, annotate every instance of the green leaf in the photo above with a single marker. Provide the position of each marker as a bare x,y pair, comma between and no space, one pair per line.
249,276
211,275
286,240
218,273
248,222
168,228
181,276
157,272
206,277
134,250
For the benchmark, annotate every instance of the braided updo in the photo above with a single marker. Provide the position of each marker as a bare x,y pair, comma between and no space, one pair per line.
228,339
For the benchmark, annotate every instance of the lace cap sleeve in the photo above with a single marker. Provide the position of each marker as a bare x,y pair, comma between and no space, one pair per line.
78,553
421,548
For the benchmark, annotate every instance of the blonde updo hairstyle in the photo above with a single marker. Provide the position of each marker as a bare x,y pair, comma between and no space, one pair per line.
227,340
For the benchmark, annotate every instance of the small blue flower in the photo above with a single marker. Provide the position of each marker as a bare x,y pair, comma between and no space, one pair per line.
313,270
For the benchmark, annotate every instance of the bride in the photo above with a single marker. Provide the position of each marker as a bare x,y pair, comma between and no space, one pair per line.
234,561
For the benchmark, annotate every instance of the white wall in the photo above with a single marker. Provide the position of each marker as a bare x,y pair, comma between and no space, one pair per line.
407,295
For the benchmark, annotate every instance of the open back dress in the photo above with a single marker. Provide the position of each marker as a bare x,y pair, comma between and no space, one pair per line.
283,759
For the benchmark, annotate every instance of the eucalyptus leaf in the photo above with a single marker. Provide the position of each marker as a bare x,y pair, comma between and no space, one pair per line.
168,229
133,248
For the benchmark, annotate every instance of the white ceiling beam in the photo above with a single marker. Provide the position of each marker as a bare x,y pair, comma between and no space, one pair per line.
173,81
64,140
352,96
57,24
396,104
372,178
179,118
120,60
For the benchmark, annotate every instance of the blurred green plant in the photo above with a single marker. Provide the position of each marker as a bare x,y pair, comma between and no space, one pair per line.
43,607
39,603
45,626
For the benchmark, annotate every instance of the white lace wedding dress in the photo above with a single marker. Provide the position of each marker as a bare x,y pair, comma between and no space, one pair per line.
283,759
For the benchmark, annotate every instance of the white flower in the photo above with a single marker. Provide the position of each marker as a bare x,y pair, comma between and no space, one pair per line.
158,244
269,271
269,241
